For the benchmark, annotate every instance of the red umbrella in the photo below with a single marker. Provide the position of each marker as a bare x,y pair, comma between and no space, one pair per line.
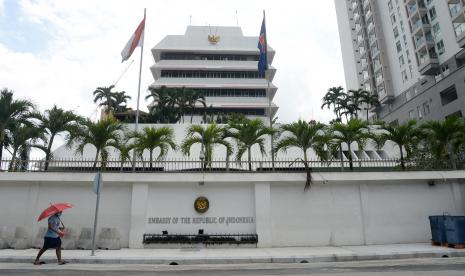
53,209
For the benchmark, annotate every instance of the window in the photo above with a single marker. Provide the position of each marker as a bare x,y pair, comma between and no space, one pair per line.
399,46
390,5
408,95
393,18
449,95
401,61
441,48
410,67
420,114
396,32
455,114
426,108
404,76
411,115
402,26
432,13
408,56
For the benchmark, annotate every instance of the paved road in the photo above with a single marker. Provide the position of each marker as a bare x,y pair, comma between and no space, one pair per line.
423,267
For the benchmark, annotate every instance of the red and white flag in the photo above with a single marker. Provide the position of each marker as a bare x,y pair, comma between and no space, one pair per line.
136,40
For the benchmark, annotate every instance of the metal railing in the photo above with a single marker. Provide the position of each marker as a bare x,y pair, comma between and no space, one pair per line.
191,165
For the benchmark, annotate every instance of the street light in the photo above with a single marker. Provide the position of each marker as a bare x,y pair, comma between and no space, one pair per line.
202,156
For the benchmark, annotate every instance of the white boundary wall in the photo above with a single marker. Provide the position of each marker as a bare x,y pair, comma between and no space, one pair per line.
340,208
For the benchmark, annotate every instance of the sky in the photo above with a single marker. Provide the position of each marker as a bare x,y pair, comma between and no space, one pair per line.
59,51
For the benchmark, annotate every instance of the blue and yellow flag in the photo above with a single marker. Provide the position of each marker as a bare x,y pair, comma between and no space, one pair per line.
262,46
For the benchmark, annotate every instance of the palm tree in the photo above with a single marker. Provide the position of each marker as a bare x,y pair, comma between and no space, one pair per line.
182,100
302,135
196,97
121,100
54,122
208,138
102,135
12,112
21,138
152,138
356,99
445,138
247,133
405,136
106,97
124,148
332,97
164,101
370,99
355,131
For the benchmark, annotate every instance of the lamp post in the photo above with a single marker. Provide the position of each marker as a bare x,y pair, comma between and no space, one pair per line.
202,158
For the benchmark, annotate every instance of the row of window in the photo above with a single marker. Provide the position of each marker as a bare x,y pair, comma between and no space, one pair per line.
248,112
212,74
200,56
256,93
422,110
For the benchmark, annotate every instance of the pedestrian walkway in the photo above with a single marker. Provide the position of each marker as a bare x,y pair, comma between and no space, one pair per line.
238,255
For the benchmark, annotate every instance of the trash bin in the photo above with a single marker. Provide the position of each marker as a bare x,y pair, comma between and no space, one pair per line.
455,230
438,231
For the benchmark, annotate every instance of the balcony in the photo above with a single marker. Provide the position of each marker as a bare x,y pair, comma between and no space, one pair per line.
368,15
414,9
366,3
416,27
461,38
377,66
355,5
453,2
374,52
419,42
371,27
383,96
459,17
428,64
372,40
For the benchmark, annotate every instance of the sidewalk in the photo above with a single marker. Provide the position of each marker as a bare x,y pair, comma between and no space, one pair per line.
238,255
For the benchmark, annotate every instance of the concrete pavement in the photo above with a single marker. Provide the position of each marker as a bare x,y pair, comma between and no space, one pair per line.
192,256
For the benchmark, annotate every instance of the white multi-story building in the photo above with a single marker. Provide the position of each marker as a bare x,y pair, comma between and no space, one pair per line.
409,52
220,62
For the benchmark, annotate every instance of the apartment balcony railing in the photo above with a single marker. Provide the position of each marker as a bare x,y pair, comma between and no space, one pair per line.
454,9
222,166
428,64
374,52
420,42
459,17
412,9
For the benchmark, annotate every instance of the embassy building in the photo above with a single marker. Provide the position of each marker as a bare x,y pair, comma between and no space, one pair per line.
221,63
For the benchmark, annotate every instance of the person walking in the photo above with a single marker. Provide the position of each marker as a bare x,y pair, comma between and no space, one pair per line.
52,238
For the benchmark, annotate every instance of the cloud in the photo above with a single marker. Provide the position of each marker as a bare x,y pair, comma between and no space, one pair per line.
85,39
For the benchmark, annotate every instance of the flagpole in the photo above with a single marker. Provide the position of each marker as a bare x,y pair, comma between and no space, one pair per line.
267,76
138,93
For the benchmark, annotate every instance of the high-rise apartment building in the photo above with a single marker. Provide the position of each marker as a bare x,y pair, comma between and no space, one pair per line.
221,63
409,52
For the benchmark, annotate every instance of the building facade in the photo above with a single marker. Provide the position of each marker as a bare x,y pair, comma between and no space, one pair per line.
221,63
408,52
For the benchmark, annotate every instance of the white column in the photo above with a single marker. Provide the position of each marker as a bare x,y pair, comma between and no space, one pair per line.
33,211
263,214
138,214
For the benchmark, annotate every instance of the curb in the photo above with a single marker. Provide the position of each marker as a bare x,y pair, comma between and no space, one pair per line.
244,260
